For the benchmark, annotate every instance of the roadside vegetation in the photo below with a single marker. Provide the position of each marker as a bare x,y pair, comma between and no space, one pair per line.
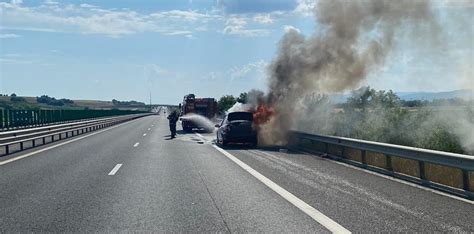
227,101
443,124
16,102
381,116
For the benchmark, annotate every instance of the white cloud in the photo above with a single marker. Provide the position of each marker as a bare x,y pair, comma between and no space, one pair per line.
12,55
17,2
89,19
288,28
178,33
305,7
255,69
263,19
50,2
9,35
12,61
236,26
52,16
85,5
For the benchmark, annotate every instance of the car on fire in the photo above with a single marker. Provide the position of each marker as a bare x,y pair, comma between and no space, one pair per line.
237,127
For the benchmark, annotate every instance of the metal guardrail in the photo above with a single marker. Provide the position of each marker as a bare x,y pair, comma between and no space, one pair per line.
7,136
464,163
40,136
18,119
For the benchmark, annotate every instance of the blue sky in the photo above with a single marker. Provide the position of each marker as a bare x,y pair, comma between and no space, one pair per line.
123,49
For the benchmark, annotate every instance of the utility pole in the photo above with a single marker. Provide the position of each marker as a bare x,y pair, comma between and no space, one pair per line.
150,101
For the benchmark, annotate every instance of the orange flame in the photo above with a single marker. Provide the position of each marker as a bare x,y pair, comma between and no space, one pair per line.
263,114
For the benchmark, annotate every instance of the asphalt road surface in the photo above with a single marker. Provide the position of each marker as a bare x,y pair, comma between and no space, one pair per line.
133,177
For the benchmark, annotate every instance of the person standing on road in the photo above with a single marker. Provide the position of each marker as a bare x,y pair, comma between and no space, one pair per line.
173,118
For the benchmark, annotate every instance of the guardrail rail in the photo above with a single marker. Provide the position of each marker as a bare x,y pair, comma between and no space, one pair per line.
11,119
449,172
19,140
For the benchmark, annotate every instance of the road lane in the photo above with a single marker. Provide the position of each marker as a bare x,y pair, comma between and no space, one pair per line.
359,200
184,184
53,189
163,185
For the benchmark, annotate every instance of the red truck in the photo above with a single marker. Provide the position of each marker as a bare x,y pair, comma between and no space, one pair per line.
206,107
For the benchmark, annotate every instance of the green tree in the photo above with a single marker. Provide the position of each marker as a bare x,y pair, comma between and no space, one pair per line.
15,98
225,103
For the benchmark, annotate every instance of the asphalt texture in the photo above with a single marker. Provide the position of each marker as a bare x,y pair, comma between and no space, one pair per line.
185,184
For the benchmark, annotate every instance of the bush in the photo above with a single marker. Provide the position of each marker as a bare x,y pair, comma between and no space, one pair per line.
380,116
45,99
225,103
15,98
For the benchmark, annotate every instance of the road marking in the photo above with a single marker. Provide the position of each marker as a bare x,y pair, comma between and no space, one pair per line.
149,129
199,135
144,134
60,144
319,217
116,168
395,179
136,144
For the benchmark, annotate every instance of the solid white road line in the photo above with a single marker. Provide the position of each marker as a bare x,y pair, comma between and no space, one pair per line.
136,144
319,217
60,144
144,134
116,168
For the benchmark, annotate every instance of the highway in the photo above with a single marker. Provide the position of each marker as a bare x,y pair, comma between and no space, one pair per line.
133,177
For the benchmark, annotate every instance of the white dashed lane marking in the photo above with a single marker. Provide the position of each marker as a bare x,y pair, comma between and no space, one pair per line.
116,168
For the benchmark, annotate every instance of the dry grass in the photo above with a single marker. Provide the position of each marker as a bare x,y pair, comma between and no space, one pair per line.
376,159
353,154
405,166
439,174
444,175
335,150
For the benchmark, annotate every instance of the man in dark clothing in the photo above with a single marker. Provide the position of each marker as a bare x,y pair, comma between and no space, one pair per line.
173,118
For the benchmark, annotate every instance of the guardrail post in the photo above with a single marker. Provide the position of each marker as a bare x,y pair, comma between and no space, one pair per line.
33,143
388,162
465,180
421,168
44,140
363,159
21,145
7,149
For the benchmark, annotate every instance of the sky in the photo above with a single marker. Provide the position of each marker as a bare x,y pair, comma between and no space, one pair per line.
127,49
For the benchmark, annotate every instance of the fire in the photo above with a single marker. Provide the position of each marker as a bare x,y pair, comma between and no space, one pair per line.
263,114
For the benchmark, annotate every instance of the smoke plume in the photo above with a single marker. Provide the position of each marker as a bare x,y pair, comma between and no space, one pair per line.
353,38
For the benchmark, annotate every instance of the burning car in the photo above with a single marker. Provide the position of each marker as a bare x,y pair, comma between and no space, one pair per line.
237,127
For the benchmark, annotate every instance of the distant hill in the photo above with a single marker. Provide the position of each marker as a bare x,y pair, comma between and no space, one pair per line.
466,94
32,103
